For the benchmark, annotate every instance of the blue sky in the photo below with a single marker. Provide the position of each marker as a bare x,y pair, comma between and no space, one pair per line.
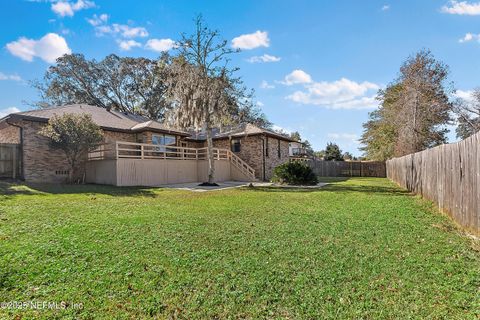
315,65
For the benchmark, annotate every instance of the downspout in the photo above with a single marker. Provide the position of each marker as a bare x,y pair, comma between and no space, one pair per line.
263,157
22,174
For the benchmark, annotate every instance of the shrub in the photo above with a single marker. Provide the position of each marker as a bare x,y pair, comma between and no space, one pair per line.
295,173
75,135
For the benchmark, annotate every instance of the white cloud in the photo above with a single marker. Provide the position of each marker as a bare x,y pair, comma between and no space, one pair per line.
266,85
260,104
66,8
129,32
469,37
7,111
98,20
350,138
13,77
251,40
464,94
123,30
126,45
386,7
160,45
48,48
296,77
340,94
462,8
264,58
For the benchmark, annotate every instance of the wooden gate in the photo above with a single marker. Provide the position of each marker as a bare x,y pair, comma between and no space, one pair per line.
10,161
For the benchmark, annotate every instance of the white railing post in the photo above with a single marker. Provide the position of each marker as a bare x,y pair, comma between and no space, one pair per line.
116,149
142,154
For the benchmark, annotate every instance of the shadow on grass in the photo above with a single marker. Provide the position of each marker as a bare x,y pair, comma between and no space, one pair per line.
340,188
283,189
19,188
332,179
378,190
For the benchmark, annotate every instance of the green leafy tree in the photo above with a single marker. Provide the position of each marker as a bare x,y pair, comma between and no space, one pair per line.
348,156
319,154
380,131
333,152
308,147
414,110
75,135
135,85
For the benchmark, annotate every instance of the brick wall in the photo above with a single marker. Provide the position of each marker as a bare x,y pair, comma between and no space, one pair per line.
251,151
41,163
110,137
273,159
10,134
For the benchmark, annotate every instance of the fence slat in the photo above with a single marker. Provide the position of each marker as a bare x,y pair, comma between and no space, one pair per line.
448,175
324,168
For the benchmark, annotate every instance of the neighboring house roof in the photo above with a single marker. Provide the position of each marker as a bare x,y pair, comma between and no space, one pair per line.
106,119
240,131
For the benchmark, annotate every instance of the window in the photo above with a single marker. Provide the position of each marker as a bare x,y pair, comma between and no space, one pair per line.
279,153
163,140
266,147
235,145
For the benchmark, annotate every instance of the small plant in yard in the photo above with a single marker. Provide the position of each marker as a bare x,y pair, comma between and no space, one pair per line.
295,173
75,135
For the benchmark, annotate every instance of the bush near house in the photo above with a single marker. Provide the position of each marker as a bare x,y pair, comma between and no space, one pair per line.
295,173
75,135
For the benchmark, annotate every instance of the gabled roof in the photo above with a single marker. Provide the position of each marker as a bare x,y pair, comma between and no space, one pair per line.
106,119
242,130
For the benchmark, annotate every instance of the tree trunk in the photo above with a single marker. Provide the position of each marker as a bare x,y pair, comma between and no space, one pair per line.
211,164
70,173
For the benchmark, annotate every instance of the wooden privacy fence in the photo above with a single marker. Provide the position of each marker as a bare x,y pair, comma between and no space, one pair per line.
448,174
348,168
10,161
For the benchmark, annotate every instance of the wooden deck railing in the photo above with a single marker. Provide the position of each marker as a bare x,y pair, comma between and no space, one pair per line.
241,165
131,150
154,151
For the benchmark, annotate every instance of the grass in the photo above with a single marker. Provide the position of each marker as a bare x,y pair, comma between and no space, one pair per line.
358,248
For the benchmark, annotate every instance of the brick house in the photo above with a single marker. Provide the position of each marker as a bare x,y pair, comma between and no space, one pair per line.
262,149
133,143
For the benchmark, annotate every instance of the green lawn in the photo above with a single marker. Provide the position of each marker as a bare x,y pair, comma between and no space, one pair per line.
359,248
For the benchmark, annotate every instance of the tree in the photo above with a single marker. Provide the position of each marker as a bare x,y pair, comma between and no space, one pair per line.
296,136
135,85
319,154
248,112
75,135
468,115
348,156
380,131
333,152
202,85
414,110
425,104
308,147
